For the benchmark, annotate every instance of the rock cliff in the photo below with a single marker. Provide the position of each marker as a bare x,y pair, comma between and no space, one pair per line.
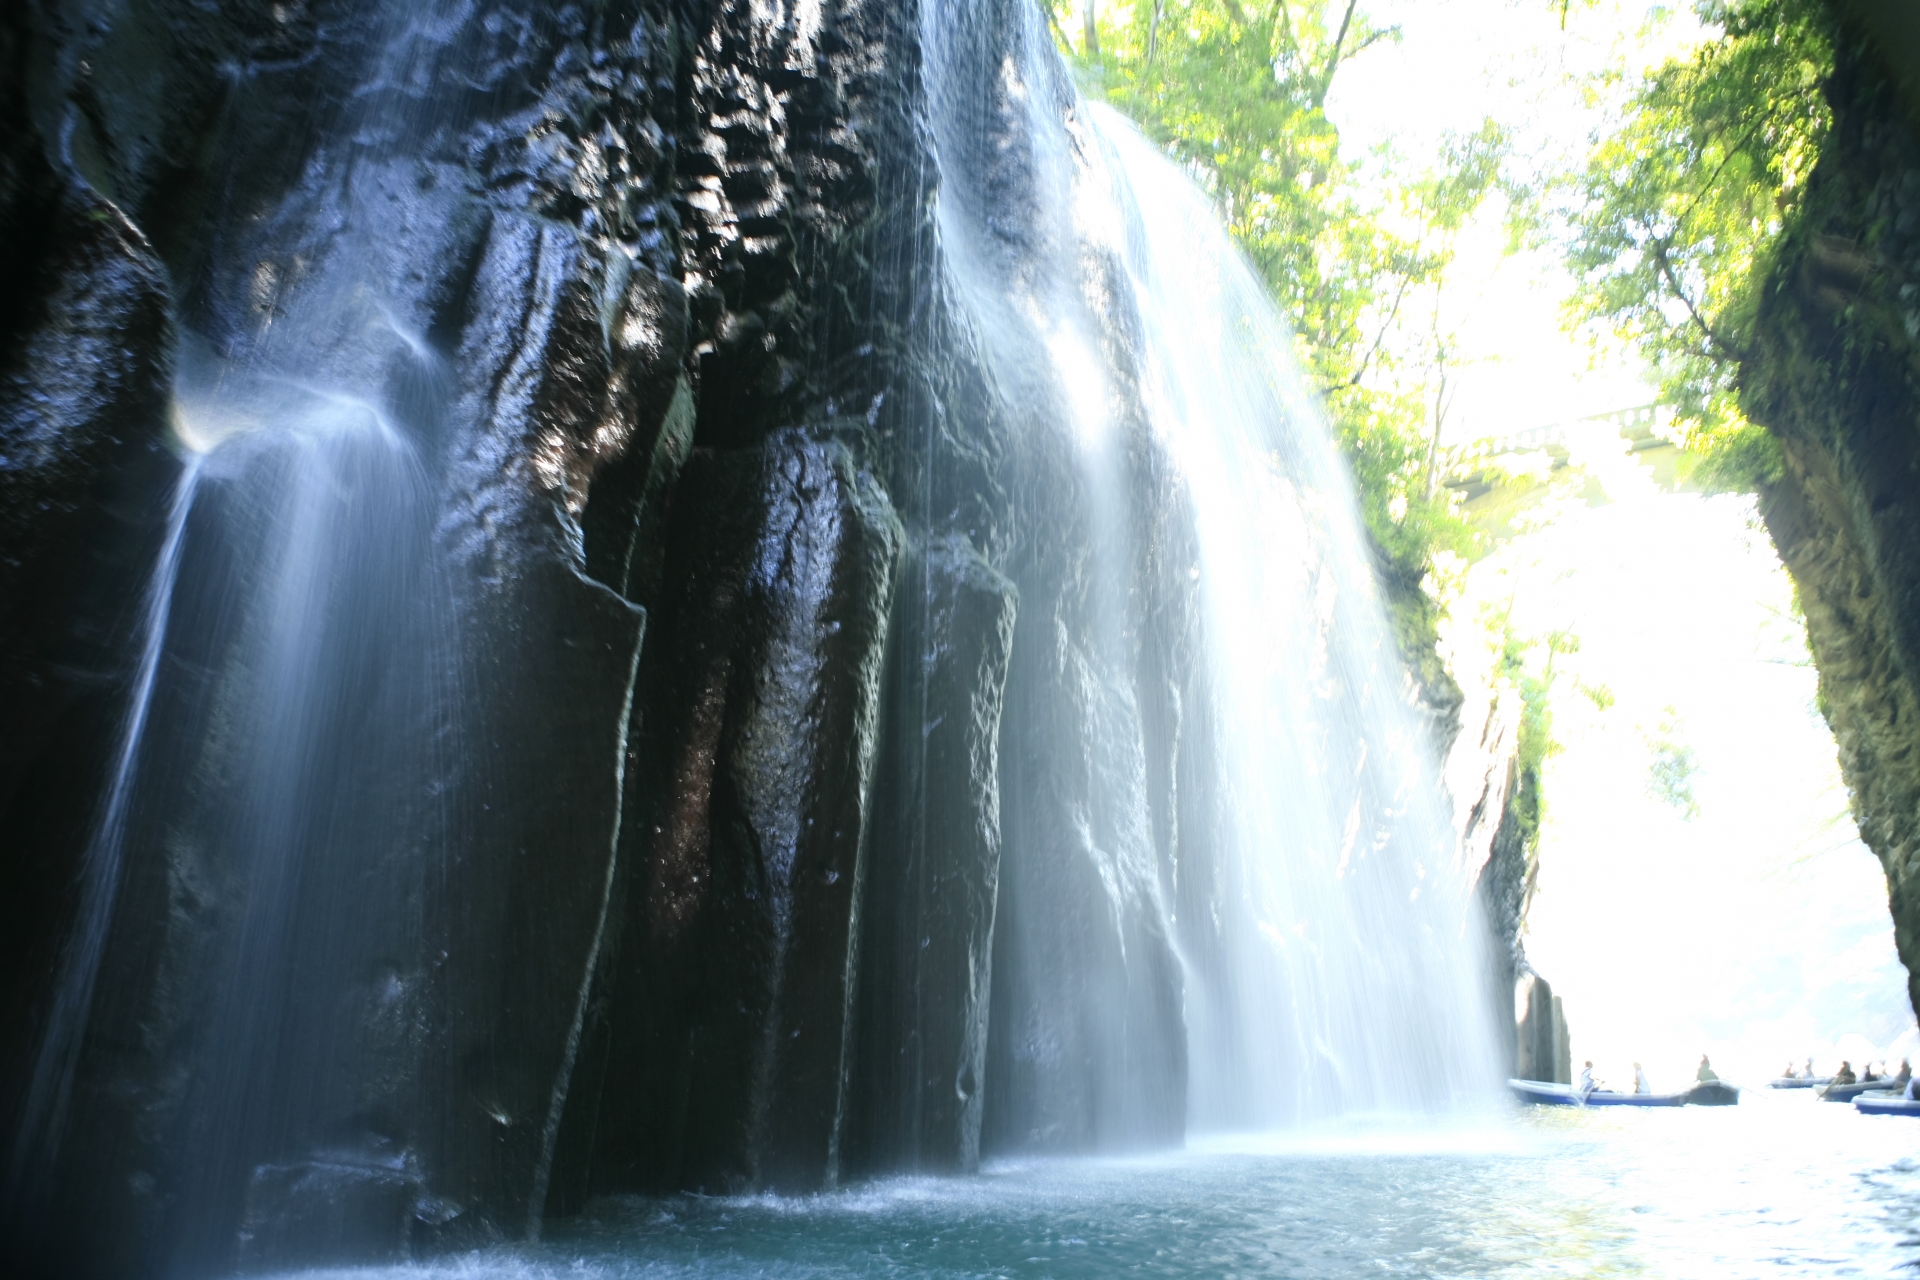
1835,377
646,308
722,740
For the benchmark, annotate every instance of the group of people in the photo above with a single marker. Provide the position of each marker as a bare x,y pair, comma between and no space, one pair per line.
1902,1079
1705,1074
1640,1082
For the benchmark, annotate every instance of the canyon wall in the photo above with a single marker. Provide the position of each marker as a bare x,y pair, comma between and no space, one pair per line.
720,743
681,865
1835,377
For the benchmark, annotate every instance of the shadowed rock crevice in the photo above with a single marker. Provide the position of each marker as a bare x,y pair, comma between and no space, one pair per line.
934,873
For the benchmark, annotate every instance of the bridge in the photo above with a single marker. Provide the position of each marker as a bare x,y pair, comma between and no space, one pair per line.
1496,490
1473,470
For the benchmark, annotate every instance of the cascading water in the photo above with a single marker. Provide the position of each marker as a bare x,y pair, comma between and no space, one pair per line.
1353,975
1305,865
50,1088
288,798
317,612
379,857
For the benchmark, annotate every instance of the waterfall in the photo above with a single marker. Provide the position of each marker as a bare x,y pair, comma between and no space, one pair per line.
1354,972
50,1087
318,618
1019,760
1272,815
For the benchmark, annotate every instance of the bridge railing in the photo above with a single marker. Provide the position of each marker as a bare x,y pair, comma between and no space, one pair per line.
1639,425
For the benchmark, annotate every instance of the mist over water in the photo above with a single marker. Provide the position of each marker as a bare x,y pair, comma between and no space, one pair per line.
1800,1191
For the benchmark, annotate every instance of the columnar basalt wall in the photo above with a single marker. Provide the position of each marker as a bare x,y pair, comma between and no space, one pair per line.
1835,376
662,833
926,969
462,224
747,747
728,1010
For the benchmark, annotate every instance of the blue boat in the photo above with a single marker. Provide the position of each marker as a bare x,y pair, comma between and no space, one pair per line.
1848,1092
1547,1094
1885,1104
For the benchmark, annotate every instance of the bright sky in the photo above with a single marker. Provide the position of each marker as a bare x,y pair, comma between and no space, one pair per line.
1456,63
1758,929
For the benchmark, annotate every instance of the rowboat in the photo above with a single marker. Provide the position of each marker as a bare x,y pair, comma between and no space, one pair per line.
1876,1104
1713,1093
1546,1094
1848,1092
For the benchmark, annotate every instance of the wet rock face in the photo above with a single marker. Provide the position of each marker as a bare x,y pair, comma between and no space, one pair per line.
84,371
703,772
1836,379
352,926
729,1008
933,876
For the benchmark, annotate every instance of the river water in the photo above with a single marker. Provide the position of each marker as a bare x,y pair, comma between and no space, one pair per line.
1778,1187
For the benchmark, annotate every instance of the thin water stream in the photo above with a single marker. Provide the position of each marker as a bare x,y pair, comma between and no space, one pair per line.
51,1084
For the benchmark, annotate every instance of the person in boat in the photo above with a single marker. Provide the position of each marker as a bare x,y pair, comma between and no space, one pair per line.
1904,1076
1705,1074
1845,1074
1809,1074
1640,1082
1867,1073
1789,1073
1586,1084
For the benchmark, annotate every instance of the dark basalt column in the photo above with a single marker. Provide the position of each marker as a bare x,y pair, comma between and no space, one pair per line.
933,878
569,345
729,1063
822,879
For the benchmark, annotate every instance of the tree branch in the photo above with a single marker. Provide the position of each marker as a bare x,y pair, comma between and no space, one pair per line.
1280,30
1728,350
1372,40
1406,282
1333,60
1442,400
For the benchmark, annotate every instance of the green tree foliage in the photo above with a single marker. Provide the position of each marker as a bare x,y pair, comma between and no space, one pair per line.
1536,741
1671,766
1236,91
1681,208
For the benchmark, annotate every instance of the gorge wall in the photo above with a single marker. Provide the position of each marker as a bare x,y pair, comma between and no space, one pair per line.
1835,377
710,764
650,292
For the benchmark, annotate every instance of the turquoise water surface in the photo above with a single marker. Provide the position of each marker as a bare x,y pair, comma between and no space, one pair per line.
1783,1186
